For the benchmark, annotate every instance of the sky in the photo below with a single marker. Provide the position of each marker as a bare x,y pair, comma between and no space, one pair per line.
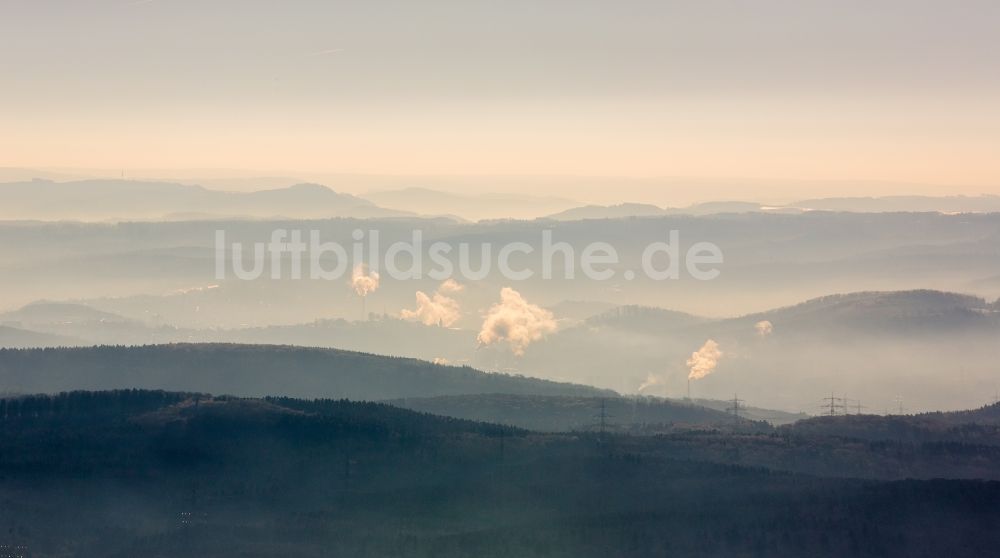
761,97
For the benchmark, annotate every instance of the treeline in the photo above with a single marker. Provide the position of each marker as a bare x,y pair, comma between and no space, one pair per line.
87,405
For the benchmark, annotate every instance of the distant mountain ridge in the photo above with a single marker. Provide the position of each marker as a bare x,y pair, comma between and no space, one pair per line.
626,210
17,338
138,200
469,206
944,204
886,204
45,312
109,199
608,212
892,311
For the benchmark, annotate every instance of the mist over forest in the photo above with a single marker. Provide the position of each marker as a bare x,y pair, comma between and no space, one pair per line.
298,371
442,279
871,306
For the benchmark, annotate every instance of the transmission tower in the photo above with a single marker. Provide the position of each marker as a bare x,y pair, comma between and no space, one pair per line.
734,407
503,431
854,405
898,400
602,418
833,405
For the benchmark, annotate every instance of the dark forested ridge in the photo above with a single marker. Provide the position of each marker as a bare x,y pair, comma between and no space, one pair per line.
256,371
158,474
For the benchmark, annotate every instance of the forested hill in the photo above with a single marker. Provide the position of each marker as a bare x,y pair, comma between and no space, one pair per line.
84,413
978,426
562,413
256,371
155,474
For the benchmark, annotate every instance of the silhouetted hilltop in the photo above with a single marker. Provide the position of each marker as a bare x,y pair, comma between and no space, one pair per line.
46,312
135,200
897,311
255,370
13,337
886,204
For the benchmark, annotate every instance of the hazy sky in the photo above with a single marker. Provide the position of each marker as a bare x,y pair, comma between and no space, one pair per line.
892,90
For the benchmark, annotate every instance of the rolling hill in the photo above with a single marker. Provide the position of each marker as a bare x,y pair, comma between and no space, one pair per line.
13,337
255,370
45,313
564,413
975,427
893,313
873,346
157,474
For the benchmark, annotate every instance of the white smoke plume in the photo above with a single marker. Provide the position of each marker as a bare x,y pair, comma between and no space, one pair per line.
764,328
515,321
436,309
364,282
441,361
451,286
703,361
652,380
